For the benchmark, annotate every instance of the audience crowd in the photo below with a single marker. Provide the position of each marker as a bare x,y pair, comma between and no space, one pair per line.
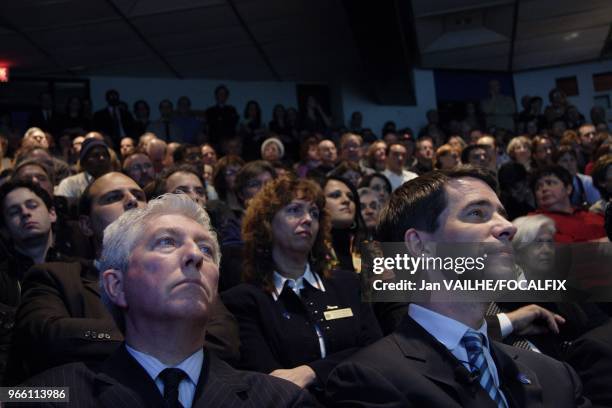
94,206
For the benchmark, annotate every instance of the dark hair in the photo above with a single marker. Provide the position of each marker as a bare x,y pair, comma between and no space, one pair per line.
599,174
257,229
11,185
419,202
305,147
110,91
554,170
183,98
167,101
249,171
180,152
511,173
366,180
223,163
246,111
141,102
358,226
344,167
562,151
160,181
221,87
465,153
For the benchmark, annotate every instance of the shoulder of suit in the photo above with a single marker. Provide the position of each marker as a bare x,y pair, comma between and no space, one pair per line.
57,376
243,293
527,357
66,270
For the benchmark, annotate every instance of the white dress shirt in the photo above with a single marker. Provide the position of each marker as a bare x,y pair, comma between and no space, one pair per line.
192,366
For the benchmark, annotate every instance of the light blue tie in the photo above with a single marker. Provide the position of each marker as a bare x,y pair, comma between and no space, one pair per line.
472,342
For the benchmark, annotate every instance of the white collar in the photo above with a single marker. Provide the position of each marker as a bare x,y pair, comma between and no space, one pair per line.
297,284
192,365
446,330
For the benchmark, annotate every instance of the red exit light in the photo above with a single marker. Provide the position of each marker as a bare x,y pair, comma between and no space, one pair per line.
4,74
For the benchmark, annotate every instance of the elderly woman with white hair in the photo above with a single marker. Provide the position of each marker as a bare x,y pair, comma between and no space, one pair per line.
534,244
272,149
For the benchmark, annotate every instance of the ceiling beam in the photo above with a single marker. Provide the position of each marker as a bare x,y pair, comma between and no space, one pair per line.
256,43
8,25
515,15
144,39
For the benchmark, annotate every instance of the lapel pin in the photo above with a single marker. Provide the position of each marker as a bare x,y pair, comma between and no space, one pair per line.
523,379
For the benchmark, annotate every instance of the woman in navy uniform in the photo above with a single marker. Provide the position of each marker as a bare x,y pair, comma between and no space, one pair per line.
298,318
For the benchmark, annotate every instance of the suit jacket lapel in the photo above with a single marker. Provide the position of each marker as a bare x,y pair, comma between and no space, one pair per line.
518,382
219,383
122,375
438,364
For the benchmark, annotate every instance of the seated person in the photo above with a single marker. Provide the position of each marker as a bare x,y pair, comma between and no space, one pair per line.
552,187
62,318
159,271
182,178
584,193
348,229
27,215
139,167
370,208
68,237
297,318
95,161
441,354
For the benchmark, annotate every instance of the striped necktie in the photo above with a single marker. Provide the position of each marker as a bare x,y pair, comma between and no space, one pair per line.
473,343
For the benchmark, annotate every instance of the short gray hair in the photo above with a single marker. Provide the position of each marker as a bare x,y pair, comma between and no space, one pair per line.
121,237
527,229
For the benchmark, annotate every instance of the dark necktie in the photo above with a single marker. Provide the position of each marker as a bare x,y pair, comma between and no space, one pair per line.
172,377
167,124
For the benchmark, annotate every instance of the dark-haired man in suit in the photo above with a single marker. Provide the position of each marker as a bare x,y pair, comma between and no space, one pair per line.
441,355
159,270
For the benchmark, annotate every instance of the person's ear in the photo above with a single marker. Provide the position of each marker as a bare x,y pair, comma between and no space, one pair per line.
416,242
112,280
86,226
52,215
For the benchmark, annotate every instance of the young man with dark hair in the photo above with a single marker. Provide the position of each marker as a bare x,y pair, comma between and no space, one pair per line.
395,171
441,354
26,217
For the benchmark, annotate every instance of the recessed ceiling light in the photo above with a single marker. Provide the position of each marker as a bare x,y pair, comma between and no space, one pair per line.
571,36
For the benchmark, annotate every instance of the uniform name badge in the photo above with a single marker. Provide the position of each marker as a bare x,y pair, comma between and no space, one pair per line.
338,313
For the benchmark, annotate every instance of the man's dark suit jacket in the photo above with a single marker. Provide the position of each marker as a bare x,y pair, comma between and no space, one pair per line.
62,319
121,382
103,122
591,357
281,334
410,368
